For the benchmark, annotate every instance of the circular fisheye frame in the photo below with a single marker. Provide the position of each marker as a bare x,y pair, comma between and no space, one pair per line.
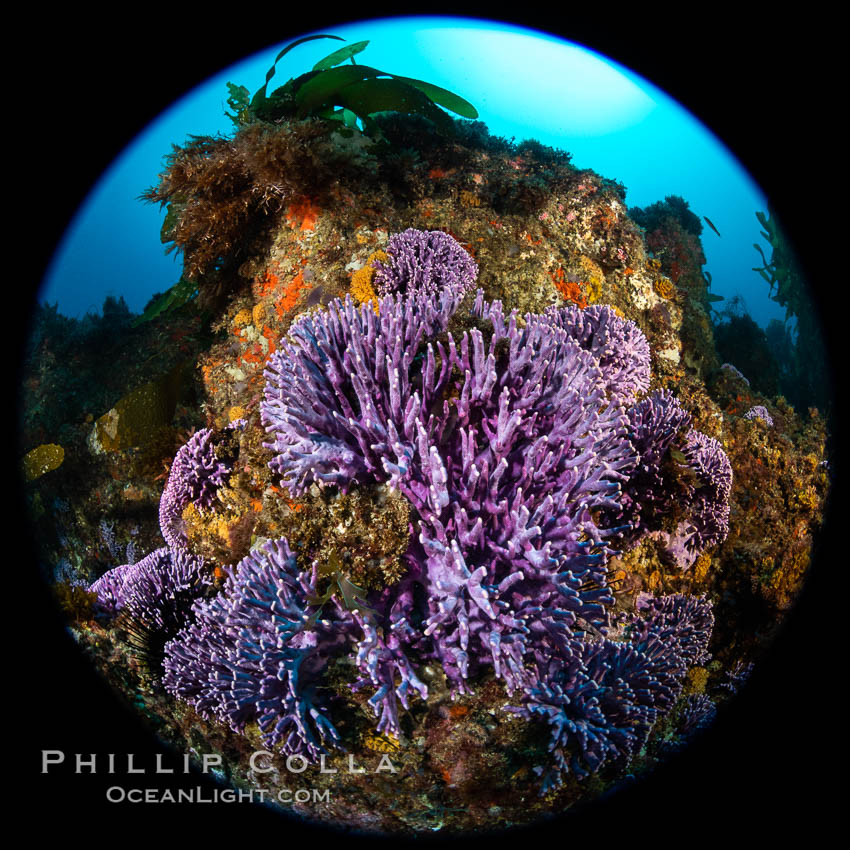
451,447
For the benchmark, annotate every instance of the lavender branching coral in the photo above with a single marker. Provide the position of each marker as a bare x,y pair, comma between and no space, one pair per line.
527,456
196,476
602,698
255,652
517,451
759,411
152,599
424,261
707,501
156,588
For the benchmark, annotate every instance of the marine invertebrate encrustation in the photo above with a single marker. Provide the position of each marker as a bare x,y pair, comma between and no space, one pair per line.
513,447
527,457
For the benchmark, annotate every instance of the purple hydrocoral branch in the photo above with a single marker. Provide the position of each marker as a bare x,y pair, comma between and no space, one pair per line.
109,589
196,476
697,713
618,345
602,698
426,262
760,412
380,659
654,424
338,399
256,652
707,522
158,591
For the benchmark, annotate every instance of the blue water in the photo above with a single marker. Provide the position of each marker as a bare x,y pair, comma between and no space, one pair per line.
525,84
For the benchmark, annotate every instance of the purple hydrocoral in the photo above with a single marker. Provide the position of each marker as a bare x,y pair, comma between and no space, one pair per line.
196,475
760,412
618,345
109,589
697,713
700,490
157,592
256,651
654,424
516,449
707,522
426,262
514,557
602,698
505,476
338,394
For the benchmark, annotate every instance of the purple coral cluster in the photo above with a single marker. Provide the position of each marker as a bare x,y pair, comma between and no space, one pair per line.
760,412
701,489
157,592
424,261
196,476
707,500
528,456
697,713
602,698
256,652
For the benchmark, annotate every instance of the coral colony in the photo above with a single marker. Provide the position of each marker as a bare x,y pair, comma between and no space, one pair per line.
529,453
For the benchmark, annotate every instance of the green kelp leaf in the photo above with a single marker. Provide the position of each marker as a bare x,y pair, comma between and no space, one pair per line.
172,214
763,258
239,101
322,89
340,55
442,97
353,596
349,118
381,95
769,225
179,294
261,92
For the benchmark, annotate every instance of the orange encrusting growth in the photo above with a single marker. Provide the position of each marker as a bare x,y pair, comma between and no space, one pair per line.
290,295
303,215
570,290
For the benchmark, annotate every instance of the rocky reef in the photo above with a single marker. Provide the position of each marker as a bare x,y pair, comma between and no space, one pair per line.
472,500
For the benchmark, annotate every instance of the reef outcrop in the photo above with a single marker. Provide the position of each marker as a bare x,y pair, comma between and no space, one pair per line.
471,489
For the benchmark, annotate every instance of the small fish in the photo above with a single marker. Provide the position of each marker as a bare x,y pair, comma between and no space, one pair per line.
711,225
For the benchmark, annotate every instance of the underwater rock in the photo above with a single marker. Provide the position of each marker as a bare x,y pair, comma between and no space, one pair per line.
493,514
